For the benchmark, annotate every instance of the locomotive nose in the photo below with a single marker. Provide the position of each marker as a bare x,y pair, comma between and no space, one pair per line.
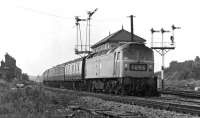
137,61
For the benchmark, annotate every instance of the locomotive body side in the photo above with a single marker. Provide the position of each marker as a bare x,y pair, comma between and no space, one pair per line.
99,66
129,60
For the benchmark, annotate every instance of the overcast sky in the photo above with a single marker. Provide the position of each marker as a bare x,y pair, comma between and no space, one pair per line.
41,33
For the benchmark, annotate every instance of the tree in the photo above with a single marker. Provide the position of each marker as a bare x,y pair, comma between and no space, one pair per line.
25,77
197,59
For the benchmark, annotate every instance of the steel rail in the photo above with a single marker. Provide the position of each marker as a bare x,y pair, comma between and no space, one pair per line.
147,102
183,93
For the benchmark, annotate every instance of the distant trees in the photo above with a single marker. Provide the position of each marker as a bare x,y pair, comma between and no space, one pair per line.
173,64
197,59
197,62
189,69
25,77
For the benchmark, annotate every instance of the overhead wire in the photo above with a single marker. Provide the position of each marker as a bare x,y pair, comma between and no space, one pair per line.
70,18
116,19
43,12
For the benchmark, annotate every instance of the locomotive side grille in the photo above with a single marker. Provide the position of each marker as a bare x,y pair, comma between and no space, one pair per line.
138,67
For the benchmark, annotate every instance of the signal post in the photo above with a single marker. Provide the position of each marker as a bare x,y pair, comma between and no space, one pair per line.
163,47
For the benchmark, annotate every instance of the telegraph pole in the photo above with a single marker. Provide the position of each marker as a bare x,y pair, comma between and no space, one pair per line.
163,47
132,27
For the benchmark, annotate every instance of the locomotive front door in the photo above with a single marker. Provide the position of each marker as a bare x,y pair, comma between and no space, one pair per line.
98,67
117,64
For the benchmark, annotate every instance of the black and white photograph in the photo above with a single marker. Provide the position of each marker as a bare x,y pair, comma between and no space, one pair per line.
99,59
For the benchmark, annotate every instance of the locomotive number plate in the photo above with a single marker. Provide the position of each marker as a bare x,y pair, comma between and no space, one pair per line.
138,67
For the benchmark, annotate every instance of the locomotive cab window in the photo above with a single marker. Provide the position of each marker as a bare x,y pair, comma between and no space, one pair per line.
138,52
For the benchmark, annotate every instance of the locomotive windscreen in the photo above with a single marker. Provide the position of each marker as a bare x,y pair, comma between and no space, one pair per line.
138,52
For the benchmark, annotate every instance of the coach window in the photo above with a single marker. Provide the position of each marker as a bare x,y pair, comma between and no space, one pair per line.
74,71
78,68
70,70
118,55
75,68
65,69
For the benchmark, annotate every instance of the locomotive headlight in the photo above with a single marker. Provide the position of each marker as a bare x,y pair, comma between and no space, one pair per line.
150,67
125,67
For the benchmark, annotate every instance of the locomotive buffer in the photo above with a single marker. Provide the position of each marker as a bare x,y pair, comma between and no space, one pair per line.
163,47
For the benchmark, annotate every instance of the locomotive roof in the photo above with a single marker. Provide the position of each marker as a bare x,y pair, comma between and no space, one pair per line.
98,53
112,50
119,36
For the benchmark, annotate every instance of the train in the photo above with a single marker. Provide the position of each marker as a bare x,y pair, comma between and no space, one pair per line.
126,69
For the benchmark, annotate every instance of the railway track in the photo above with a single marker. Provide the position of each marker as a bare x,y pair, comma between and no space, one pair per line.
182,93
155,102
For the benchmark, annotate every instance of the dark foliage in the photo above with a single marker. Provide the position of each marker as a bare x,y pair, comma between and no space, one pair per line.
25,77
183,70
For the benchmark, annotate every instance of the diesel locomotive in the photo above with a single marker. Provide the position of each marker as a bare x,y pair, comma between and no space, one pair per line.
126,69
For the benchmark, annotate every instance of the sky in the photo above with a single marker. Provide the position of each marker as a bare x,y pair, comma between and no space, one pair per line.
40,34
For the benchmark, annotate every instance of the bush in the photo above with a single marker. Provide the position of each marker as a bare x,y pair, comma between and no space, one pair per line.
27,102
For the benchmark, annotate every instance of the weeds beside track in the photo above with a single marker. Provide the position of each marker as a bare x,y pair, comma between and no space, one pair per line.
157,103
